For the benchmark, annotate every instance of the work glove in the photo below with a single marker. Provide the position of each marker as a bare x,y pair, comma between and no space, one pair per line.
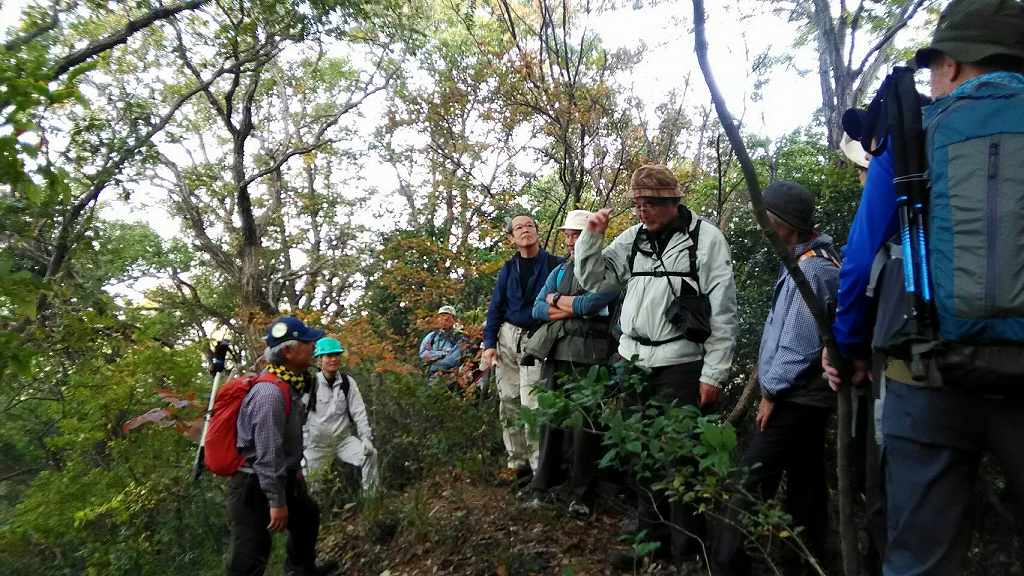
368,447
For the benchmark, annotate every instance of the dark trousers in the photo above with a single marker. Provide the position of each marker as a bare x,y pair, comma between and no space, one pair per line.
249,515
872,481
934,440
793,443
678,384
567,455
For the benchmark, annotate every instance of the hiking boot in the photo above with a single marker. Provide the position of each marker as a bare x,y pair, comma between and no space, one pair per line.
517,477
532,498
578,509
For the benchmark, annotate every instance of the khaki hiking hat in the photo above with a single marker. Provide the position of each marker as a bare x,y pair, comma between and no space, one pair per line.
576,220
853,151
971,30
654,181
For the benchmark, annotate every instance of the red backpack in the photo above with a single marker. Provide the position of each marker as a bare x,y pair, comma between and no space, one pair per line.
220,451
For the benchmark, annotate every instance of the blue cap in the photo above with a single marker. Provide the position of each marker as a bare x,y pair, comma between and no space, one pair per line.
288,328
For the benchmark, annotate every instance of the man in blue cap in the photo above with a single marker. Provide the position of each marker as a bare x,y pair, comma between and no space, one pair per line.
268,493
337,424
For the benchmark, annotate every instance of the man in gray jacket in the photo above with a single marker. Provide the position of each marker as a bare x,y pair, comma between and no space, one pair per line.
789,436
672,256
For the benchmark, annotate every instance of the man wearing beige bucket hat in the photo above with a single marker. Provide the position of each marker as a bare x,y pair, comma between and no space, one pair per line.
678,315
575,336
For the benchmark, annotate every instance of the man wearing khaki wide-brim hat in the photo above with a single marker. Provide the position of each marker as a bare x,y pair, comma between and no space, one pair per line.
678,315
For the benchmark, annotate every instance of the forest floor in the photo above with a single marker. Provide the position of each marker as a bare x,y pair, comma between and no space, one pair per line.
459,525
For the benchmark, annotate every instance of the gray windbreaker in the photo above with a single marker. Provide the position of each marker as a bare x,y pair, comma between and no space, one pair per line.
648,297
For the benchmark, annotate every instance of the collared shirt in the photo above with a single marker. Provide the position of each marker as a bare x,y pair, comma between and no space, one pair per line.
791,343
511,300
271,441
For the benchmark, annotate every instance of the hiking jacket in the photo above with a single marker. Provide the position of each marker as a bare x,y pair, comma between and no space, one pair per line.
440,350
647,298
270,441
585,304
789,362
512,302
336,416
585,337
875,223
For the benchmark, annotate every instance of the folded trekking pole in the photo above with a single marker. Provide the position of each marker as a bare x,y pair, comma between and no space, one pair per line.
220,352
910,166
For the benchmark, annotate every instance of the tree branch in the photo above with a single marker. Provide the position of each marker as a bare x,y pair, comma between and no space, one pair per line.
909,11
121,36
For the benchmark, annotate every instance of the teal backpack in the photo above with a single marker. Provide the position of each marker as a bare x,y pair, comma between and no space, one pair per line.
970,332
975,149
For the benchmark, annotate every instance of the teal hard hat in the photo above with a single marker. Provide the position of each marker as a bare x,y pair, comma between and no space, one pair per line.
328,345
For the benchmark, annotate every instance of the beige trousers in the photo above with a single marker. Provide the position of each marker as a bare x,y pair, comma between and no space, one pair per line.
515,389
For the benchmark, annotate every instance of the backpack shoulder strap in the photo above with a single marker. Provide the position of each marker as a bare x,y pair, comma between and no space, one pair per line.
820,253
634,249
282,386
695,237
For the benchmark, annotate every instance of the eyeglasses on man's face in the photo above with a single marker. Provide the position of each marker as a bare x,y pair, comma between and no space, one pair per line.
524,226
645,205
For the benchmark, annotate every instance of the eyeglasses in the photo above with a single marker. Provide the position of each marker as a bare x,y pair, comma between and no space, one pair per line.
526,226
645,205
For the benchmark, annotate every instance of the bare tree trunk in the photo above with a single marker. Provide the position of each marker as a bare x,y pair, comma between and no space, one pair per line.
847,529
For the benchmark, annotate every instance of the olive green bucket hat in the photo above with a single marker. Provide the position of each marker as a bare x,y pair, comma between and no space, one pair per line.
654,181
971,30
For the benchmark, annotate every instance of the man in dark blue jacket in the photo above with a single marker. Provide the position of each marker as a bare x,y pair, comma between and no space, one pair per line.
509,323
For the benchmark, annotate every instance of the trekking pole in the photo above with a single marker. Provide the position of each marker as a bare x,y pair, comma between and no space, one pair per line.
220,352
909,165
898,122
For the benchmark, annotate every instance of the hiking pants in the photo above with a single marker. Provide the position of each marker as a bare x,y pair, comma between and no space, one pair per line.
680,384
350,451
934,440
562,450
249,515
515,390
793,443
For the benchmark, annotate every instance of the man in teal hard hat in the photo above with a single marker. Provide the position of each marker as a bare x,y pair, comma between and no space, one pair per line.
337,425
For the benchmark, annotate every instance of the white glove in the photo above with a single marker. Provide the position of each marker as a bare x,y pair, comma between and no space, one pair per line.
368,447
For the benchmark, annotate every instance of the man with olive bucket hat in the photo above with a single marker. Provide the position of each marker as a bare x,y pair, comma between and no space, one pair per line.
938,424
678,318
